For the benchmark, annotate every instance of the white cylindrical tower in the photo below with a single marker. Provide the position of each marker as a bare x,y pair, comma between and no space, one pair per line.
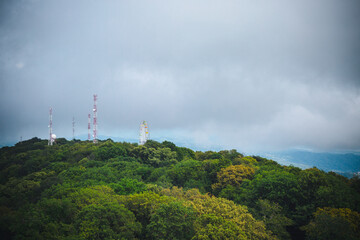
144,133
51,140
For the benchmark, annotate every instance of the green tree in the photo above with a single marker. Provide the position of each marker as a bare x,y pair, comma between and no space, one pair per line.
226,209
107,221
248,161
230,154
207,155
128,186
338,194
185,171
204,204
171,221
213,227
143,205
152,144
233,175
142,152
156,157
108,150
355,183
82,197
334,223
274,219
48,219
162,157
277,186
212,166
183,153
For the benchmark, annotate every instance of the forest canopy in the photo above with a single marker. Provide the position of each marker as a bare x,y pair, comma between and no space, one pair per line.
118,190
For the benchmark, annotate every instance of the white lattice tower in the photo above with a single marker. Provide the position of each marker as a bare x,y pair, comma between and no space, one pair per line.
95,119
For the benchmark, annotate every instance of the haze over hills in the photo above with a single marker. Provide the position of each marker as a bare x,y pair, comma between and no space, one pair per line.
343,163
346,164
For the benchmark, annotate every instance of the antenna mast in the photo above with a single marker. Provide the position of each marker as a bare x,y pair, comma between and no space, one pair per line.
144,133
73,127
95,119
89,124
51,140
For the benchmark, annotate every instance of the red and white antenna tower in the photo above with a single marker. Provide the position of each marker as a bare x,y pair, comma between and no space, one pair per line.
73,125
95,119
52,136
89,124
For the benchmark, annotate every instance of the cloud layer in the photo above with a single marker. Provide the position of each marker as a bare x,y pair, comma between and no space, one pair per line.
252,76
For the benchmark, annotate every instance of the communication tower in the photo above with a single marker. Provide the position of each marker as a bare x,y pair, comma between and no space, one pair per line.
144,133
89,124
95,119
52,136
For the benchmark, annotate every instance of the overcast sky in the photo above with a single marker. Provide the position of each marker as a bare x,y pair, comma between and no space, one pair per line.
251,75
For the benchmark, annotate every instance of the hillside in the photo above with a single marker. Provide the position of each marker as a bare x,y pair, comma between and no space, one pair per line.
343,163
112,190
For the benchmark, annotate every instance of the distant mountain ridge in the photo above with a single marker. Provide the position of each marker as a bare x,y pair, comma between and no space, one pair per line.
344,163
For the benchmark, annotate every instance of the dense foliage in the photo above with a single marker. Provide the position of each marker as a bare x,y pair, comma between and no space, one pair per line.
80,190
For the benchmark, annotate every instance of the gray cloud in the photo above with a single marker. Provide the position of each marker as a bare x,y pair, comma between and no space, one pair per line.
242,74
